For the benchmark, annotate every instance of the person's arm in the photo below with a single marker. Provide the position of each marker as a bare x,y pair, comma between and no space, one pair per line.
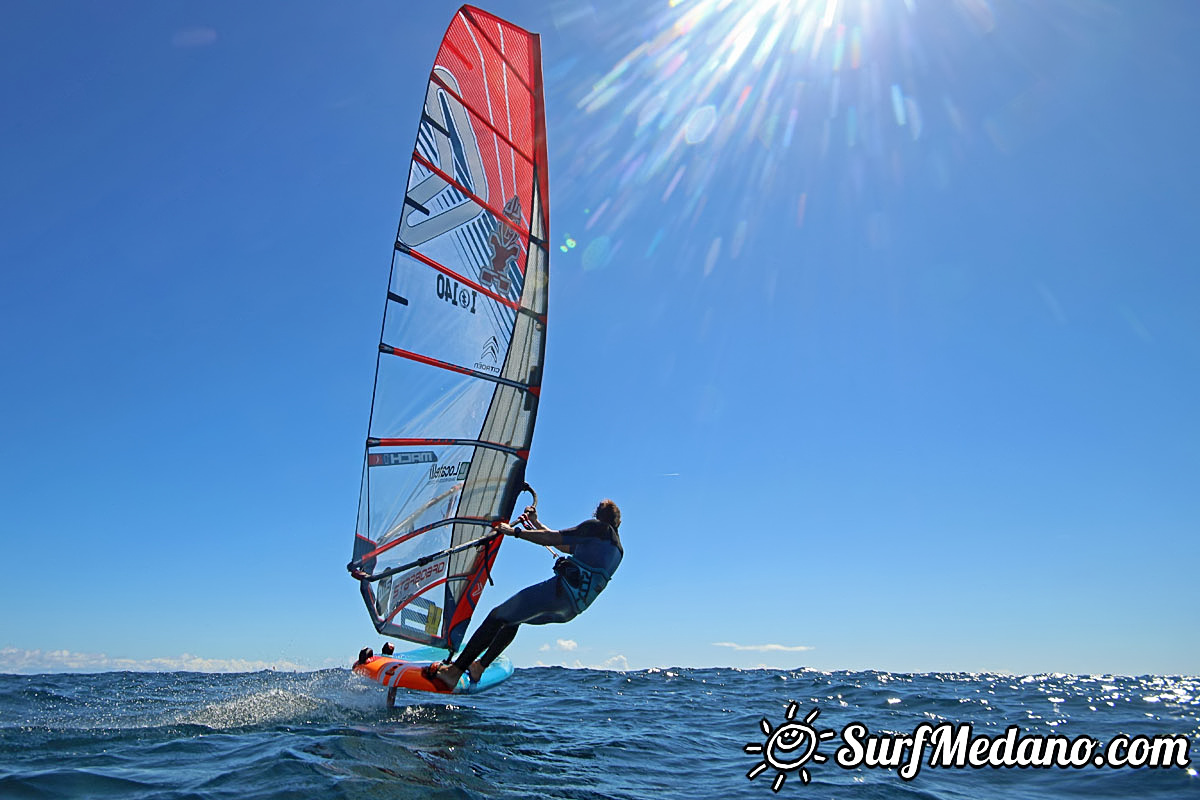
542,535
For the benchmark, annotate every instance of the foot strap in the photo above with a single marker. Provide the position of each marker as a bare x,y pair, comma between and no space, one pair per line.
430,670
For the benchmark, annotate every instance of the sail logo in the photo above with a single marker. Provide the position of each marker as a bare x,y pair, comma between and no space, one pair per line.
400,459
489,353
455,293
449,472
416,582
491,349
447,139
506,250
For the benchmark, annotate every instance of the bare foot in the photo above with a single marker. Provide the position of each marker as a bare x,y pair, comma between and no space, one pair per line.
475,671
448,674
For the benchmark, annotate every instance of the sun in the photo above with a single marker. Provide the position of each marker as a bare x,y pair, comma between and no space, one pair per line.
779,751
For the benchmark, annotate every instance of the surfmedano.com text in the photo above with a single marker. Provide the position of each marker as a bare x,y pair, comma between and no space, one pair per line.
957,746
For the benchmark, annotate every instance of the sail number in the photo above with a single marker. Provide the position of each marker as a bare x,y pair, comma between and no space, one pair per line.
455,293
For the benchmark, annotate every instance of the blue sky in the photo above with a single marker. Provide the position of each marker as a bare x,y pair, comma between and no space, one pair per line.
877,319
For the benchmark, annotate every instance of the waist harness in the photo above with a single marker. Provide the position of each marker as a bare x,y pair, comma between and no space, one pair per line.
582,582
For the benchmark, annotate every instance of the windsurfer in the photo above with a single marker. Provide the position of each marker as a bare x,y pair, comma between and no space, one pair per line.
594,553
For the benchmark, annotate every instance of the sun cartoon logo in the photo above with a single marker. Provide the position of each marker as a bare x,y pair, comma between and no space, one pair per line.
788,747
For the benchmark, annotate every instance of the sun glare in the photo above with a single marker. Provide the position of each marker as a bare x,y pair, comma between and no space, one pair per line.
733,106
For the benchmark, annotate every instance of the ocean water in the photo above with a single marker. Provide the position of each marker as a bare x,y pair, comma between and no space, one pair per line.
550,732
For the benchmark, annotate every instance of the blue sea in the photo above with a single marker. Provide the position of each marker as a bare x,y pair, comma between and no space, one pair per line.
550,732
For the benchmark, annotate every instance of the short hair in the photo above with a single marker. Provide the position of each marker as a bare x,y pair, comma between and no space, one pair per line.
608,512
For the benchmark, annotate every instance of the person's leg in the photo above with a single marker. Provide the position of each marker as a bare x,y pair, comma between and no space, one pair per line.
537,604
502,640
481,640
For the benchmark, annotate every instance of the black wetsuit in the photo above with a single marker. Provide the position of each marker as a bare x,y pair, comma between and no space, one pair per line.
578,579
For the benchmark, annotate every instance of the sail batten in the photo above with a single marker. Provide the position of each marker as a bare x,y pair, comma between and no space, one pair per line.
501,216
449,273
461,348
478,115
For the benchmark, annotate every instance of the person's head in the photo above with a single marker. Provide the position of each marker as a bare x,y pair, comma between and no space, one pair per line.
608,513
365,655
387,649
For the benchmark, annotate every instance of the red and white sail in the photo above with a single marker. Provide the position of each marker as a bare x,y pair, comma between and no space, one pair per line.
459,369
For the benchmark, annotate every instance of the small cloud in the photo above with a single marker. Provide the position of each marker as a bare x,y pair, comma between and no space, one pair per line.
544,648
764,648
670,474
566,644
194,37
618,663
14,660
